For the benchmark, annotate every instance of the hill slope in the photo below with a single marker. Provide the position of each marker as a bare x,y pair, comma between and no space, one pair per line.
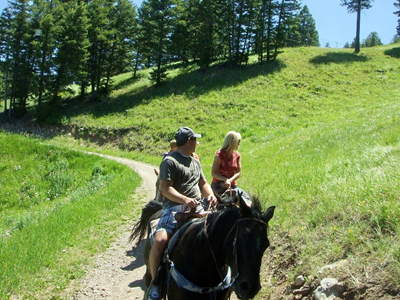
321,131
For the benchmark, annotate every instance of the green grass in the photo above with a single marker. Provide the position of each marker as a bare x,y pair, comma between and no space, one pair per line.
321,130
58,208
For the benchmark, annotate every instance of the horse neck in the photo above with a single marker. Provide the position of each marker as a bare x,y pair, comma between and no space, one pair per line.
220,229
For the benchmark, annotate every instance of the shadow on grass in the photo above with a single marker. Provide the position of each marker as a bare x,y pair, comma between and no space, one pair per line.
394,52
127,82
338,58
190,83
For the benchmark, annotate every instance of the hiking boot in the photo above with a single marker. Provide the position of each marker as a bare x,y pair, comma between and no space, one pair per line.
152,292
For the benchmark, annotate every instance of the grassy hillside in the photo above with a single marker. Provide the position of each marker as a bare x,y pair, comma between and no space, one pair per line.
321,130
58,208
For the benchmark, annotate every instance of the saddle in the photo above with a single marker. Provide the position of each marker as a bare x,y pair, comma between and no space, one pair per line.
183,217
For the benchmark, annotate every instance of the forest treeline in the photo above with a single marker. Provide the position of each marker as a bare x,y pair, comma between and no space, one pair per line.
47,45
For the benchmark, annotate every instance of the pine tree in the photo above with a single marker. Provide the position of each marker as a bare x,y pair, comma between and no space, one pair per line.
357,6
266,30
180,47
372,40
5,55
211,32
193,20
100,39
243,35
293,33
161,20
397,13
123,26
144,41
21,56
308,32
72,51
288,9
45,15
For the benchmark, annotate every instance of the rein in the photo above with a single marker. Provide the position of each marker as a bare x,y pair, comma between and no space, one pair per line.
226,281
182,282
234,243
228,190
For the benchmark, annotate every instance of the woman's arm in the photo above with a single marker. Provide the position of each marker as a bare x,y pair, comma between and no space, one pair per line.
215,172
237,172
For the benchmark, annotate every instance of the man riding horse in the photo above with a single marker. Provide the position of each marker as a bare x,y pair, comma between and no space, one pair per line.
182,184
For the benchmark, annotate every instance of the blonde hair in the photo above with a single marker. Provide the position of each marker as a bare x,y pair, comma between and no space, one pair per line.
231,141
172,143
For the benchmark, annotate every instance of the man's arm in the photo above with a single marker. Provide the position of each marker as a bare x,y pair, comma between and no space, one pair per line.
172,194
207,192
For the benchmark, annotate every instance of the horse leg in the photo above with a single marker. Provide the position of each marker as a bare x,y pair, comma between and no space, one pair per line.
147,248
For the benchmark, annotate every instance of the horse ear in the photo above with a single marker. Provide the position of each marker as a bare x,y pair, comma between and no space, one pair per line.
243,205
268,214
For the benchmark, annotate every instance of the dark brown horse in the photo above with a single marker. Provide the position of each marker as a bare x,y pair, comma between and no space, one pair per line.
213,255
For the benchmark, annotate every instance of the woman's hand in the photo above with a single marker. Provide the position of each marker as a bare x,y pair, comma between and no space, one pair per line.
227,183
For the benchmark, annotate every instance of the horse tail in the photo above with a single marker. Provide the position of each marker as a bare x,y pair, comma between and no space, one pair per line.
140,228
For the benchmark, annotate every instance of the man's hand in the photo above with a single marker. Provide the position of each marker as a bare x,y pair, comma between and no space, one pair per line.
212,200
191,202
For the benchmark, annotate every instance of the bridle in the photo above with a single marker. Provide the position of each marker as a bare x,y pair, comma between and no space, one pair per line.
228,280
234,243
235,240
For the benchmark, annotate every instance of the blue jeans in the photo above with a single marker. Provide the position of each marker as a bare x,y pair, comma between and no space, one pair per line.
167,221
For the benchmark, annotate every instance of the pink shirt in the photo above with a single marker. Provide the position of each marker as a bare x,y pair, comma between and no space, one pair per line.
228,166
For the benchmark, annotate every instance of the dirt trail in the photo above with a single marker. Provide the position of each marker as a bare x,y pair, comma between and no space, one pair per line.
118,273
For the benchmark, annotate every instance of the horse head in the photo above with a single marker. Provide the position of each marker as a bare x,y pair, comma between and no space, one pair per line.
248,240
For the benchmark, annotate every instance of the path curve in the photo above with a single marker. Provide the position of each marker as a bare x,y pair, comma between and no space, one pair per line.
118,273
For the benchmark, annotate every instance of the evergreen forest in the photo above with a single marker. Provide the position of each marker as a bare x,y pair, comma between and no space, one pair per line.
49,45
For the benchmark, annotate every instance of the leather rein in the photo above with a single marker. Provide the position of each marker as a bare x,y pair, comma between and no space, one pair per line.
234,243
227,280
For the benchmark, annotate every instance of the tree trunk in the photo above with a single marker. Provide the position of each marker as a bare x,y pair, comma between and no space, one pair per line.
6,86
83,88
357,42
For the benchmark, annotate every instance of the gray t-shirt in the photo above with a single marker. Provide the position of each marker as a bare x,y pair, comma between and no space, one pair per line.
185,172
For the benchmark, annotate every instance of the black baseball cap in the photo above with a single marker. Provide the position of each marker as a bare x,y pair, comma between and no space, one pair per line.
183,133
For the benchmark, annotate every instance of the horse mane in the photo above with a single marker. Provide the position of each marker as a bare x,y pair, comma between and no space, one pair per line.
228,213
256,203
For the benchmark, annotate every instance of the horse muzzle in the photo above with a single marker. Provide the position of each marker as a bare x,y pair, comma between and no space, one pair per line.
246,290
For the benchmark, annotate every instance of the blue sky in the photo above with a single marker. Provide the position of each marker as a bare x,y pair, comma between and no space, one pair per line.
336,27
